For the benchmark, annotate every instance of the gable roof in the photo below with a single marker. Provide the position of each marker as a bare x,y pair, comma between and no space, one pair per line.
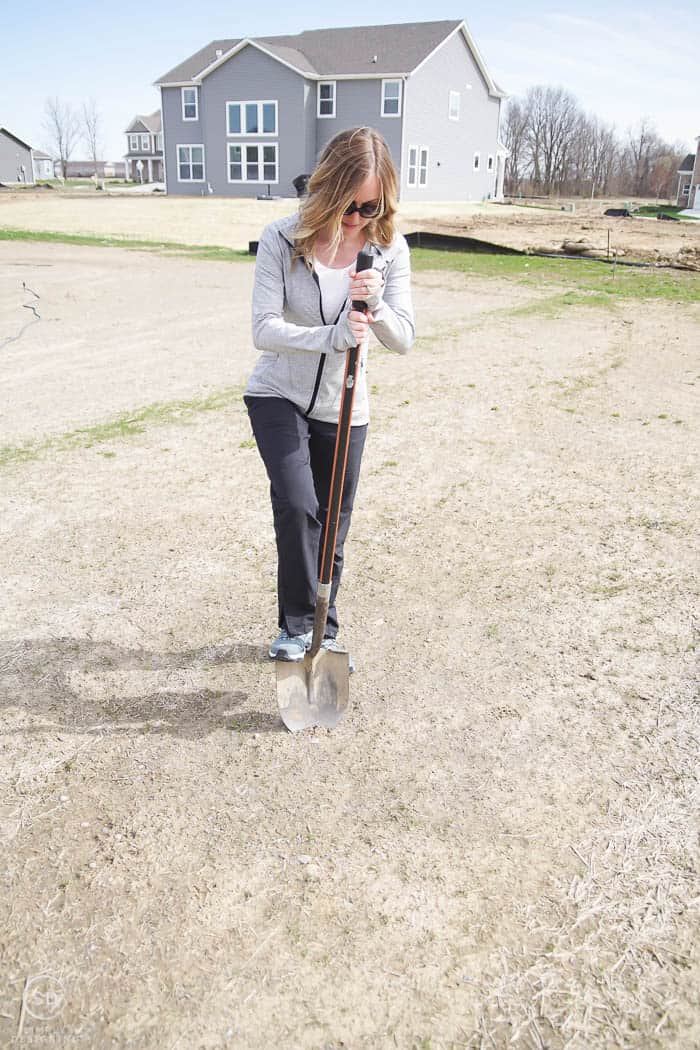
687,165
152,123
38,155
15,138
354,51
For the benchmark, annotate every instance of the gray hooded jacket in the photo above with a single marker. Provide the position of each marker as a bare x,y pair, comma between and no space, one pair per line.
303,351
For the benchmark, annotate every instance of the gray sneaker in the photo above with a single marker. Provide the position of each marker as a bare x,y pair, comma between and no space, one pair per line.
333,645
287,647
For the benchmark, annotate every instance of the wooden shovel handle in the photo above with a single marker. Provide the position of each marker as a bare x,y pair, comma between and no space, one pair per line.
365,261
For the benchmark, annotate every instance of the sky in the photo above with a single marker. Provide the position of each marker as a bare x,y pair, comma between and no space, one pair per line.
623,62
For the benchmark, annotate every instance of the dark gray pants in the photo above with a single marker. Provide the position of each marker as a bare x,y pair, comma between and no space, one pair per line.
298,456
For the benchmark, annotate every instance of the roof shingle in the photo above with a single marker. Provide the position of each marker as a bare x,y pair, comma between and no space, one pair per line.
354,50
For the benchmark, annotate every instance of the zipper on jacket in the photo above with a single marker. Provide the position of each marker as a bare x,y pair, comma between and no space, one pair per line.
322,360
322,357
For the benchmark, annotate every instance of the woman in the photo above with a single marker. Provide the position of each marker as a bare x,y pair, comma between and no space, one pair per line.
303,322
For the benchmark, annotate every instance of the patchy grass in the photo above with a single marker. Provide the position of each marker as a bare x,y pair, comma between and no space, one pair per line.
555,305
193,251
126,425
673,210
581,275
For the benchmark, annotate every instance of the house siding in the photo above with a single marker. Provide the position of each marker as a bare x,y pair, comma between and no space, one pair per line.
683,194
43,168
12,156
249,75
451,143
358,103
694,195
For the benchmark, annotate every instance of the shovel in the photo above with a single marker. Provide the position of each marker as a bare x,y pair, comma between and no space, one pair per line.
315,691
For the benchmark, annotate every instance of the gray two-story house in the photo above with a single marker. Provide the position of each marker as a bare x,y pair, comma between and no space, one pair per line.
242,116
144,155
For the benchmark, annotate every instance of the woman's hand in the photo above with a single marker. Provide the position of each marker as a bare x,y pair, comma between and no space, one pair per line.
359,324
367,284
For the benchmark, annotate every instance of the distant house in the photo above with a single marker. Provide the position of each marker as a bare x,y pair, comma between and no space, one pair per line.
144,156
685,177
689,181
43,165
243,115
15,159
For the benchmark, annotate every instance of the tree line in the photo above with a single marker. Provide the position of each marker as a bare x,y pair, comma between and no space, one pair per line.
65,128
557,148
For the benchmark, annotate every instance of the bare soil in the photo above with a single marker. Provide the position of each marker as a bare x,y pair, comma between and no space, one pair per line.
498,846
233,223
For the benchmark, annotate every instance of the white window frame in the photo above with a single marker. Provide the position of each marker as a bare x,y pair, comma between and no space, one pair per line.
133,143
159,141
147,140
196,104
423,167
262,146
453,111
190,146
412,184
477,162
253,102
319,114
489,163
385,99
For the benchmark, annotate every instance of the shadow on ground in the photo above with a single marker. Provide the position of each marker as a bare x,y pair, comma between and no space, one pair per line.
36,676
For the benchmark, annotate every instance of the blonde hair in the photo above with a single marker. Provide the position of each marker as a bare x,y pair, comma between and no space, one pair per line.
346,161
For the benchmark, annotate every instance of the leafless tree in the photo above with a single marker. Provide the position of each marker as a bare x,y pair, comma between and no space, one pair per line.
642,151
663,173
62,129
91,126
554,117
514,137
555,147
603,156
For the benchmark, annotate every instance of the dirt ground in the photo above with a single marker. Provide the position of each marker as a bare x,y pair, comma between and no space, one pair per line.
234,223
498,847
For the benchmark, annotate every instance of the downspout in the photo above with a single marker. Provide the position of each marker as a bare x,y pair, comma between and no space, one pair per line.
162,132
403,167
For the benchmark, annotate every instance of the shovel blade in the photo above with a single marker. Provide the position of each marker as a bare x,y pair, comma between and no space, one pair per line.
314,691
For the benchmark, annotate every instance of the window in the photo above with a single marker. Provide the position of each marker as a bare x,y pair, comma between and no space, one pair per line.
685,191
145,143
423,167
159,142
252,162
391,98
190,163
489,166
133,143
453,108
326,99
417,166
477,161
189,104
251,118
412,166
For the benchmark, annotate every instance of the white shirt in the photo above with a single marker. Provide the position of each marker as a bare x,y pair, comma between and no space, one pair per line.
335,285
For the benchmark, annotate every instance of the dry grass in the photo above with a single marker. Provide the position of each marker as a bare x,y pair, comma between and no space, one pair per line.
498,847
606,950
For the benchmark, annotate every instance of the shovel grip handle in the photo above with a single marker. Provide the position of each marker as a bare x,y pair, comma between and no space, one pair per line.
365,261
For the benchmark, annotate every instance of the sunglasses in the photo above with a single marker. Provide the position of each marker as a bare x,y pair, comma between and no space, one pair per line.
370,210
